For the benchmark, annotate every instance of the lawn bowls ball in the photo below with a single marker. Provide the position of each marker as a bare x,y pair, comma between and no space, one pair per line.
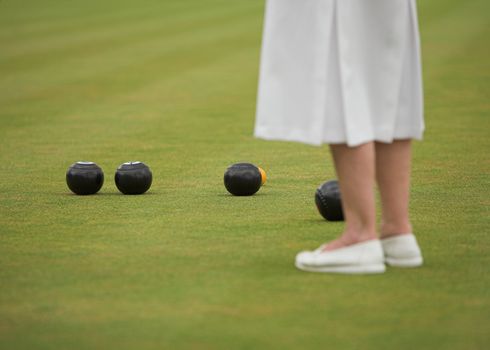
328,201
133,178
242,179
84,178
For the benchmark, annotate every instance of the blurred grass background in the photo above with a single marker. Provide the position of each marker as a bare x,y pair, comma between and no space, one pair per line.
186,266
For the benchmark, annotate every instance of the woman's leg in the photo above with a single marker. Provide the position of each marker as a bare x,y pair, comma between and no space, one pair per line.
393,163
355,167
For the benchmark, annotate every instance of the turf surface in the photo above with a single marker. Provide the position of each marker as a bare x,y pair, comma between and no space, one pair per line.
187,266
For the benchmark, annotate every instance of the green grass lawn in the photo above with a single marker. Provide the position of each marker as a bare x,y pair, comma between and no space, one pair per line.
187,266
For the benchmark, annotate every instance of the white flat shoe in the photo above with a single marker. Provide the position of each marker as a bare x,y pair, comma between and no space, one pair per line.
361,258
402,251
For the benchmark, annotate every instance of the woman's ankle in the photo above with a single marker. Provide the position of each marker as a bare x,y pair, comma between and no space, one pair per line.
357,236
349,238
394,229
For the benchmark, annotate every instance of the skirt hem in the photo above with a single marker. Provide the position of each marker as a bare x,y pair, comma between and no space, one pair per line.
295,136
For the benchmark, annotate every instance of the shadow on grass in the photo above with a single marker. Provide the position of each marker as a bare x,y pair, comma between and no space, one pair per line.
106,194
232,196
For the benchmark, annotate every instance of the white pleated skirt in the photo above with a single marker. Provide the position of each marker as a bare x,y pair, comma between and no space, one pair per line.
340,71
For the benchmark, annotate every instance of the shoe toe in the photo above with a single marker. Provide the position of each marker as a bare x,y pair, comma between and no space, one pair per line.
305,258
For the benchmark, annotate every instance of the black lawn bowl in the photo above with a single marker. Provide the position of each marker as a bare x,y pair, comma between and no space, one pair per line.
328,201
84,178
133,178
242,179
